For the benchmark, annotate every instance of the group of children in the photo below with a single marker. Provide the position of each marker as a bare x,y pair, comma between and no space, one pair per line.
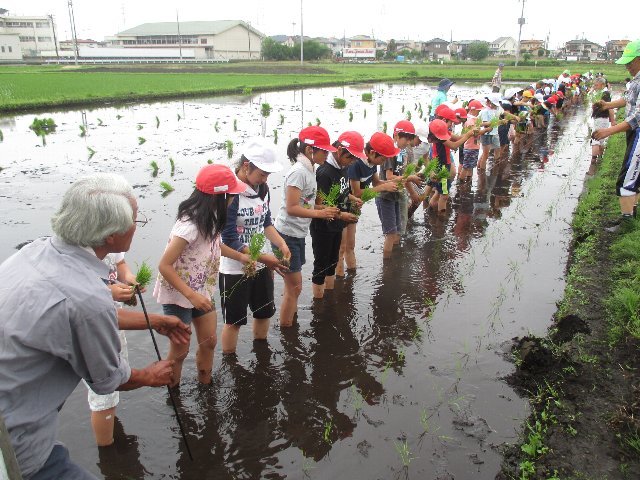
225,235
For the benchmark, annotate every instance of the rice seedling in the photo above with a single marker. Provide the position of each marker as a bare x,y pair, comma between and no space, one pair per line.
404,452
424,420
157,122
351,116
385,371
380,109
1,136
167,188
309,124
143,279
330,198
83,131
308,464
118,117
173,166
365,113
384,127
368,194
367,97
139,127
281,119
339,102
357,399
256,244
229,147
209,161
141,140
265,110
91,151
402,108
442,176
43,127
179,117
275,136
328,427
154,166
318,122
417,333
100,122
247,91
216,126
235,125
280,256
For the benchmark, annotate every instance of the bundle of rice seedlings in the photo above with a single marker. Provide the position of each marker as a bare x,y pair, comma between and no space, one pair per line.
331,197
265,110
367,195
143,278
339,102
285,261
256,244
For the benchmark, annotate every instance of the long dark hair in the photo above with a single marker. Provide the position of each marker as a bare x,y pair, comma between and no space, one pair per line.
208,212
296,147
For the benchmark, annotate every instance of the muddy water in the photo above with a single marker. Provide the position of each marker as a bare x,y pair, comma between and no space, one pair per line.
403,361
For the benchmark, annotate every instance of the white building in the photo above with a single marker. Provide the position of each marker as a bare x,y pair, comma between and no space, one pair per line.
503,47
216,40
35,35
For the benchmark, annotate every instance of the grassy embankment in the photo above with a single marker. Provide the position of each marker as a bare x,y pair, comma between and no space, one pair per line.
586,405
40,87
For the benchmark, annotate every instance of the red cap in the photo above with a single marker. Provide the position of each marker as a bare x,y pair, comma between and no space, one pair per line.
475,105
216,179
404,126
317,137
445,112
560,94
553,99
383,144
439,129
354,143
460,112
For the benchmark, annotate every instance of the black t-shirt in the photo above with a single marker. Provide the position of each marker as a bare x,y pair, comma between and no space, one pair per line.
326,176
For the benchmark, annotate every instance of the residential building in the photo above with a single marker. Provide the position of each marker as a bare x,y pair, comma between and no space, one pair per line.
381,45
460,48
614,48
531,46
436,49
214,40
361,41
583,49
69,44
503,47
35,35
334,44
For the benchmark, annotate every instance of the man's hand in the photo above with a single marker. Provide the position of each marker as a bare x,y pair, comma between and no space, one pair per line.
159,374
171,327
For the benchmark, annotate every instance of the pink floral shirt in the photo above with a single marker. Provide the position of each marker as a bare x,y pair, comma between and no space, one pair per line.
197,266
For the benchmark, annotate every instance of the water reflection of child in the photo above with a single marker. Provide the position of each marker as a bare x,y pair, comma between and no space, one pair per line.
298,208
189,266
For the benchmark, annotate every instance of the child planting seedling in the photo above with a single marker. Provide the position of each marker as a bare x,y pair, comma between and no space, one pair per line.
143,278
247,282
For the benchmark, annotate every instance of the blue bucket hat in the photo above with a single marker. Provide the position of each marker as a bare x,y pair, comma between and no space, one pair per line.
445,84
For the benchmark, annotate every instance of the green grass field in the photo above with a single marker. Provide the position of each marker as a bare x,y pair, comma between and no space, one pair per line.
39,87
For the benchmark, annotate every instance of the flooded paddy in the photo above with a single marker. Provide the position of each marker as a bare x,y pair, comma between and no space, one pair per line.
398,372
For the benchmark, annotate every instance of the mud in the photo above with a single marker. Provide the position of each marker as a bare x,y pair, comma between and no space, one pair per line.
405,351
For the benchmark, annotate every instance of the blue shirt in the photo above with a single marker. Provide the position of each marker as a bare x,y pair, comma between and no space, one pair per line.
58,325
362,172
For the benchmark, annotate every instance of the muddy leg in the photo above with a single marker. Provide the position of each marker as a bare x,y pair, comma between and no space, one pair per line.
289,305
205,327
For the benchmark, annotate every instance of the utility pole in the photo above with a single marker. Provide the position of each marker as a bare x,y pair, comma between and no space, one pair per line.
301,37
72,20
520,22
55,39
249,38
179,36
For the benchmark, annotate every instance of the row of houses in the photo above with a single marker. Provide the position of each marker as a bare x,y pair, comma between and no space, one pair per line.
35,37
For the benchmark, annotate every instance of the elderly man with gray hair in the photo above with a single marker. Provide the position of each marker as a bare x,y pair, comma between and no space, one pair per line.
59,323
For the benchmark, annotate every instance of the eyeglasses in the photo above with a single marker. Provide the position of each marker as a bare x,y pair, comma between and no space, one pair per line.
141,222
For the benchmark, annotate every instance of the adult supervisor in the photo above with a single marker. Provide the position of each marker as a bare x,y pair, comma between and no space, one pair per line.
628,183
59,324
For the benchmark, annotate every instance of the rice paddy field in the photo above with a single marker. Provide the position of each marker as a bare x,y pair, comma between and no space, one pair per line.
399,372
40,87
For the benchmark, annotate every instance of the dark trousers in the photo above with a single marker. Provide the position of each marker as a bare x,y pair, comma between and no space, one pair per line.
326,249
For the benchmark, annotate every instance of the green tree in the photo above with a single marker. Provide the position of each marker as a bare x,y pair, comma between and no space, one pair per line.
391,49
478,51
312,50
379,54
271,50
527,56
542,52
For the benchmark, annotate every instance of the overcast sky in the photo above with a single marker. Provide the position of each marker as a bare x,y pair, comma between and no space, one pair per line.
420,20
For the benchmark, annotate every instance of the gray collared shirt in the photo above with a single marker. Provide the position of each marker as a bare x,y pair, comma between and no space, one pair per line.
632,110
58,325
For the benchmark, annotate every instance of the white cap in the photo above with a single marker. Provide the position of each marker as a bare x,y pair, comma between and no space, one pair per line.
494,98
422,131
539,97
510,92
260,152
